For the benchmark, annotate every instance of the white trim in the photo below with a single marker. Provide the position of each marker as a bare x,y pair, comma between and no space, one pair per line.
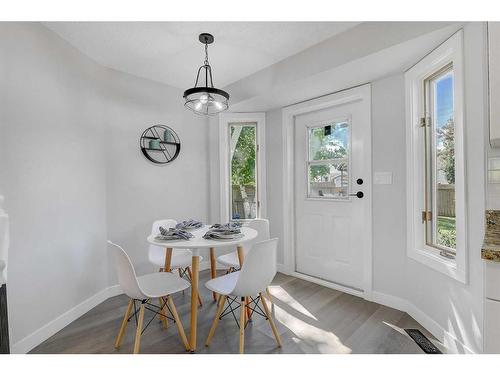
224,119
449,341
451,51
335,99
328,284
51,328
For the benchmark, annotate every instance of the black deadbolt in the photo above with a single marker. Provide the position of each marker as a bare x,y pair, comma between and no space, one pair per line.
359,181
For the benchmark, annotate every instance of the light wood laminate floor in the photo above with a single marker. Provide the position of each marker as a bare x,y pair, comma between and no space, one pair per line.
310,318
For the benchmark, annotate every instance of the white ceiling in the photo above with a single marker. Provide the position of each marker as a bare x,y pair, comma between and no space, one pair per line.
170,52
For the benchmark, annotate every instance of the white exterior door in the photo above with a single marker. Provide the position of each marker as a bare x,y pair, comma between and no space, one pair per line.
332,164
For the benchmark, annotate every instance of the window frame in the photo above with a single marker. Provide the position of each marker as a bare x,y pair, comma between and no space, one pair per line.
225,119
430,197
448,53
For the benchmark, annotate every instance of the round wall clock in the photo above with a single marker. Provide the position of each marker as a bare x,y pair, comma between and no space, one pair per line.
160,144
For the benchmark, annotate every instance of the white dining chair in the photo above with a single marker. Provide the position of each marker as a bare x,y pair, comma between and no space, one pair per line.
142,290
231,262
259,269
181,258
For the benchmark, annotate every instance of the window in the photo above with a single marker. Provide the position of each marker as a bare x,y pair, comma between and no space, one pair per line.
435,160
243,170
439,128
242,151
328,161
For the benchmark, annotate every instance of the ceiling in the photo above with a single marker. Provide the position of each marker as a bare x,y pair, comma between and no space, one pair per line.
170,52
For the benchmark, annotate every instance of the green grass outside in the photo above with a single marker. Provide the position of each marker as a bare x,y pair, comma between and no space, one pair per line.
447,231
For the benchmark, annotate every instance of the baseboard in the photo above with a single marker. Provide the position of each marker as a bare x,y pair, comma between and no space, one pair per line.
281,268
43,333
391,301
452,344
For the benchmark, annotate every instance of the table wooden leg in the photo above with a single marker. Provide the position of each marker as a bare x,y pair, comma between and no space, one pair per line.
168,259
213,269
241,255
194,301
241,258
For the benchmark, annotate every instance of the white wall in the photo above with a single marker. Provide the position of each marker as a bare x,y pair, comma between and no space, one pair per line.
389,201
52,174
73,175
138,191
274,171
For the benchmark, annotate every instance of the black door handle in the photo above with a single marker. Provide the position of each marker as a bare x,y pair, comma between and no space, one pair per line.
359,194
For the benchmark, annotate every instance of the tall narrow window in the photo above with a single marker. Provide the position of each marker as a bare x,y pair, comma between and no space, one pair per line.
243,190
440,217
436,206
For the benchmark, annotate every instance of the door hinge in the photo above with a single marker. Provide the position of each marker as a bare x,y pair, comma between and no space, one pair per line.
424,121
426,216
258,148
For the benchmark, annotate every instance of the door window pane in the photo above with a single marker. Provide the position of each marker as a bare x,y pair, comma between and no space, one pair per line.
243,170
328,164
440,168
329,180
329,142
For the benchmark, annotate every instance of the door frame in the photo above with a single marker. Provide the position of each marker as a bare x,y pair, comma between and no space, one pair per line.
289,113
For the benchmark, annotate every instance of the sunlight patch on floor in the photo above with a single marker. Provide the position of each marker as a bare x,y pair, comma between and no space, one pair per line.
281,294
325,341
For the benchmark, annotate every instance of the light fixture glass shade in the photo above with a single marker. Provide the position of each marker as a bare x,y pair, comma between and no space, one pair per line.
206,100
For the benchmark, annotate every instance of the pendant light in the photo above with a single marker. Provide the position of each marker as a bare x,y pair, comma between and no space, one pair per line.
206,99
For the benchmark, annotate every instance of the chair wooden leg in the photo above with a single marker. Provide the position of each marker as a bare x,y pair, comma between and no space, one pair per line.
242,324
191,278
163,313
180,275
138,332
248,310
269,295
119,339
178,322
270,318
216,319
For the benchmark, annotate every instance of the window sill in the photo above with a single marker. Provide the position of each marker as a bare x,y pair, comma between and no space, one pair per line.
433,260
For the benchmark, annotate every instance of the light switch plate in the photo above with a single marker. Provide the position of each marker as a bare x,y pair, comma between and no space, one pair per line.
382,178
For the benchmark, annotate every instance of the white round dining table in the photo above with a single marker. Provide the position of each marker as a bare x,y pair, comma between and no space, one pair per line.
195,244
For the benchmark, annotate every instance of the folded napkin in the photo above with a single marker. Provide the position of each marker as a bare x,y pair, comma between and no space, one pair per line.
189,224
230,225
224,231
173,234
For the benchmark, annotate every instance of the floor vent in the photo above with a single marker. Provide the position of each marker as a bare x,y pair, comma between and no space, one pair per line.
422,341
